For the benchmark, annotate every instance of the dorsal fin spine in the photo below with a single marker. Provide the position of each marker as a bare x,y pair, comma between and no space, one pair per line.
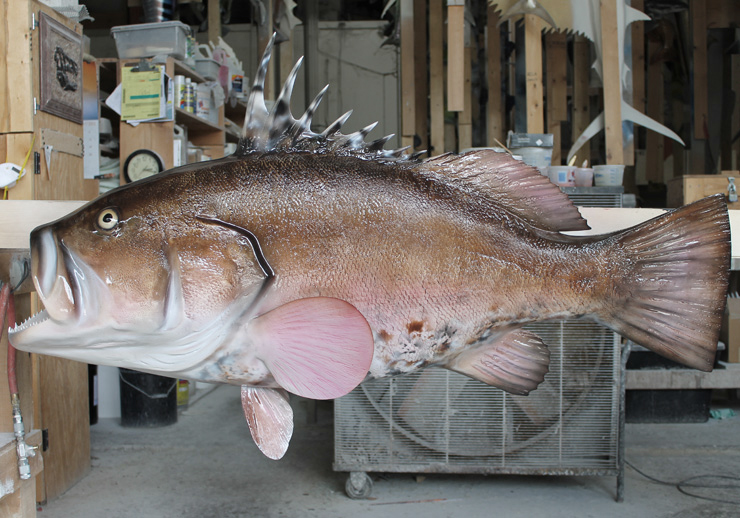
277,129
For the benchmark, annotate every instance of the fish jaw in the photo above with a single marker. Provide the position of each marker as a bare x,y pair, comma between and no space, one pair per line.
84,320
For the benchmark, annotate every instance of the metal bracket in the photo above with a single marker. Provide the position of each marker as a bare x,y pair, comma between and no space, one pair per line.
34,21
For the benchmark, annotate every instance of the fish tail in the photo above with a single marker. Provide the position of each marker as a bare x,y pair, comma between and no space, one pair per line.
672,297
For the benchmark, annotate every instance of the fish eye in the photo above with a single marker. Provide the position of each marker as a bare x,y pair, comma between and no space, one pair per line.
108,219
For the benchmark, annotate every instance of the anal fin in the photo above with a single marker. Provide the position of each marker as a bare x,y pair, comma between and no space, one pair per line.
270,419
516,362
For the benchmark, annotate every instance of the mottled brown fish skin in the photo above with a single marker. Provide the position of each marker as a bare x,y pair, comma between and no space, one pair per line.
430,265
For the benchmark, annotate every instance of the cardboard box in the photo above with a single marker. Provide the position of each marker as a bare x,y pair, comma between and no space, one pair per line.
730,334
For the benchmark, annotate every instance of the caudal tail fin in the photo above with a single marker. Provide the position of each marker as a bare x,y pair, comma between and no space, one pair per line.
675,286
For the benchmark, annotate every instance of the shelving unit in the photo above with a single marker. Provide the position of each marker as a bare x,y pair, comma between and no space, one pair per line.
158,136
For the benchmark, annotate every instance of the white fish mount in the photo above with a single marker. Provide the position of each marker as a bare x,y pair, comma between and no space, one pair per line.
584,17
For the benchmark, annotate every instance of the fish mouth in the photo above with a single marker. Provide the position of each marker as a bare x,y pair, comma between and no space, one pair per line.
62,281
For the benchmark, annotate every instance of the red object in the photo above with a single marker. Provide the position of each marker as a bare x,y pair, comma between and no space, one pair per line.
7,307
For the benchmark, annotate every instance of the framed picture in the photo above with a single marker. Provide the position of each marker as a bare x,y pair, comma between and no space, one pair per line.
61,70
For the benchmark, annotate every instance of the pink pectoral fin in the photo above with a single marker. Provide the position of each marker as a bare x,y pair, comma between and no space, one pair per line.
318,348
270,419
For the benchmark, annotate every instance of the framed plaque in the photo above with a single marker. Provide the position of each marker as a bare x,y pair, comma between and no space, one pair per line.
60,69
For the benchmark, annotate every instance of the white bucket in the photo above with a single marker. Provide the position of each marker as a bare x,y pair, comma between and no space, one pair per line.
608,175
562,175
584,177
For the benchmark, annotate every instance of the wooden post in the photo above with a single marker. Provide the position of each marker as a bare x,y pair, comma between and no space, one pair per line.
581,99
214,21
638,77
455,55
465,120
533,60
638,60
495,110
654,154
611,79
420,73
556,53
311,53
264,33
408,74
699,30
436,77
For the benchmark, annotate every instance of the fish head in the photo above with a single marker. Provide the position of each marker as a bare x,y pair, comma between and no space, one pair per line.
135,279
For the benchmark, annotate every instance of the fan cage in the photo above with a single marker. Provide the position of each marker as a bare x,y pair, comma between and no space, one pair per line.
440,421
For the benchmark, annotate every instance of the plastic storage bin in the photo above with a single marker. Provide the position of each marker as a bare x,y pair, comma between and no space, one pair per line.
146,40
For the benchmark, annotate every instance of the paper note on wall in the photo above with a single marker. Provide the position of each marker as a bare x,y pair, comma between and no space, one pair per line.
143,94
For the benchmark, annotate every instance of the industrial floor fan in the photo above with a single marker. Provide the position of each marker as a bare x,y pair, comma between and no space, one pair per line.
442,422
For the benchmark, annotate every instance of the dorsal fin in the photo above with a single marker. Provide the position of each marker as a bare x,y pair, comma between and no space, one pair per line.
269,130
513,185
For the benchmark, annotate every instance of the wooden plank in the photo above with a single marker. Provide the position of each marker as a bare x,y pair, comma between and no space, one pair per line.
420,74
14,230
214,21
722,14
638,60
13,148
495,109
456,58
65,413
11,481
699,32
533,60
611,80
691,188
436,78
465,119
638,77
581,101
655,142
556,53
264,33
16,68
408,74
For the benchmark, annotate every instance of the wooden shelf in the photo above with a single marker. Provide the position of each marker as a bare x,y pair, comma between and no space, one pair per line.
182,69
195,123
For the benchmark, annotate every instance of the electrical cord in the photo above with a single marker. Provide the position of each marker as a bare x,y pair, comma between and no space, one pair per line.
690,483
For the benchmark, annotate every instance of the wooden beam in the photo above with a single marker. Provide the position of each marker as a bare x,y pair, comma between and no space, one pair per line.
701,103
455,58
214,21
421,73
611,79
465,119
495,108
264,33
533,61
638,77
408,74
638,60
16,71
655,142
556,54
581,100
436,77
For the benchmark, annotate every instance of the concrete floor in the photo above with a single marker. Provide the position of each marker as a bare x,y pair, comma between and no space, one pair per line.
206,465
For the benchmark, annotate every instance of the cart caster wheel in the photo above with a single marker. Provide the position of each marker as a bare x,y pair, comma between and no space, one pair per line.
359,485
